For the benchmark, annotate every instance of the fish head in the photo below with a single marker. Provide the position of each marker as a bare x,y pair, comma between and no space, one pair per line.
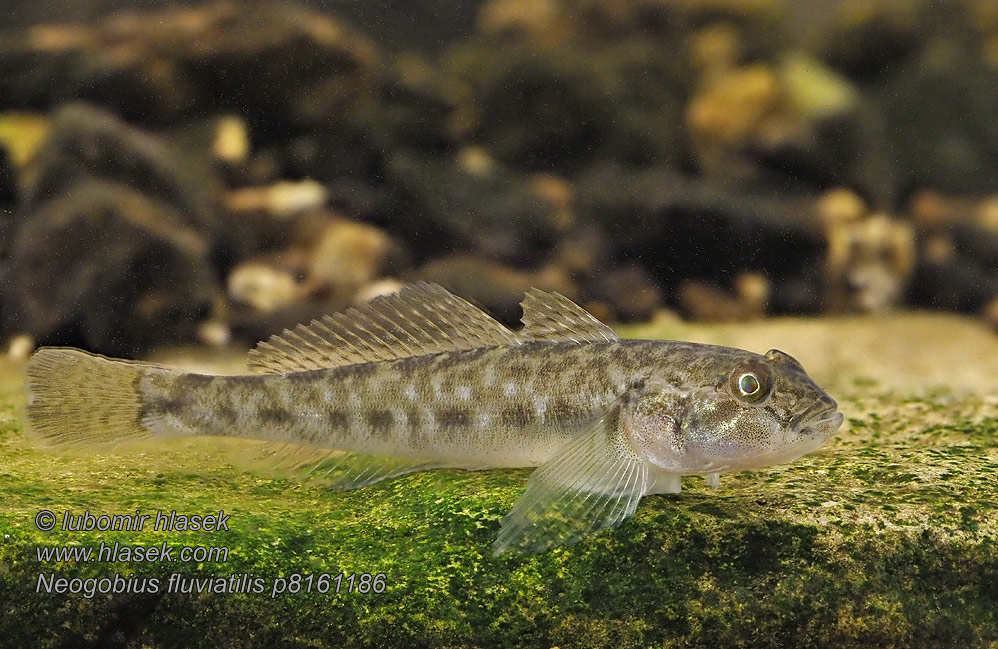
751,411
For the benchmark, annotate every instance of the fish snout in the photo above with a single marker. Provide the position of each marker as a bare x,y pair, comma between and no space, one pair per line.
826,405
821,417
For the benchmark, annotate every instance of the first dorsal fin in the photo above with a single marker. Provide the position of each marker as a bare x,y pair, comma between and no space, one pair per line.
553,317
421,319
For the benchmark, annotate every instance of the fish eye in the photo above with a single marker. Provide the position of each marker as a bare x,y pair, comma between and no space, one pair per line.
748,384
751,381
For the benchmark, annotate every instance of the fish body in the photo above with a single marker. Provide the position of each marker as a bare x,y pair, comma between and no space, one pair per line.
424,379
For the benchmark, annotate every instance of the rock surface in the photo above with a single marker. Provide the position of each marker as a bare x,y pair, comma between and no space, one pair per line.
884,538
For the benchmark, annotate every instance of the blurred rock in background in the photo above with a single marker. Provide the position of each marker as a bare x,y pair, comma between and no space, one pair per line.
278,64
870,256
683,227
931,71
474,202
220,171
8,197
112,242
495,287
104,266
958,251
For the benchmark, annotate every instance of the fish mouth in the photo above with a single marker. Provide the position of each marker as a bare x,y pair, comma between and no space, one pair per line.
824,425
810,436
822,419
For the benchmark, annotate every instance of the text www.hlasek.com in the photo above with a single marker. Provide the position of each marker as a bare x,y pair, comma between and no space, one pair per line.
171,521
115,552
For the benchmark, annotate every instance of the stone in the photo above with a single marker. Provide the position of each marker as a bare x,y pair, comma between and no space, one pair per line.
932,85
19,347
553,87
869,263
790,122
231,144
263,286
707,301
958,251
85,142
494,287
8,198
157,65
143,277
214,333
114,238
492,210
629,292
348,255
707,229
282,200
884,536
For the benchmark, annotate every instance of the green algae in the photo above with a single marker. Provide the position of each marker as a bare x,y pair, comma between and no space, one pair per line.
887,537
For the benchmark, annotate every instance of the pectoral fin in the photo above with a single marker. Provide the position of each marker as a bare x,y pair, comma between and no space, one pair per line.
595,482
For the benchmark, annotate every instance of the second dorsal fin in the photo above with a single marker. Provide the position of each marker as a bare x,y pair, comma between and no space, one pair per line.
421,319
553,317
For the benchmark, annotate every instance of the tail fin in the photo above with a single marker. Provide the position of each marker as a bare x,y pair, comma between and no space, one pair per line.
75,397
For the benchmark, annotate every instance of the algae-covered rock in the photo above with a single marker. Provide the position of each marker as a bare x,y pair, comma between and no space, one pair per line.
884,538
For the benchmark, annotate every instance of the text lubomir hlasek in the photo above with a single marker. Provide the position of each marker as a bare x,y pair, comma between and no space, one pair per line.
170,521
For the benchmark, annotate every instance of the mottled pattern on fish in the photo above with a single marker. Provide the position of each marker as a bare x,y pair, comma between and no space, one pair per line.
505,407
425,379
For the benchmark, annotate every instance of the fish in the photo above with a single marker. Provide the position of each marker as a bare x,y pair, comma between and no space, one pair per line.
423,379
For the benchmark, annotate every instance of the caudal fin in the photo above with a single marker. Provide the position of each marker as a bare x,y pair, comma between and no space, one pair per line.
75,397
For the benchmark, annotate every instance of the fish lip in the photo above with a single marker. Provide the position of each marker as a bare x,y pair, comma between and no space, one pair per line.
834,415
818,415
827,424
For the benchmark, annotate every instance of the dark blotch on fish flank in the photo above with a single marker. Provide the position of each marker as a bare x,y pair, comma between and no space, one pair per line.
518,370
177,406
380,421
413,419
560,410
452,418
555,366
338,419
226,415
416,427
299,378
275,416
358,370
515,418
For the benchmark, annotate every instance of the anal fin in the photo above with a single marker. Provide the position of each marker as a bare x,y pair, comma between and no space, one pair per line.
337,469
